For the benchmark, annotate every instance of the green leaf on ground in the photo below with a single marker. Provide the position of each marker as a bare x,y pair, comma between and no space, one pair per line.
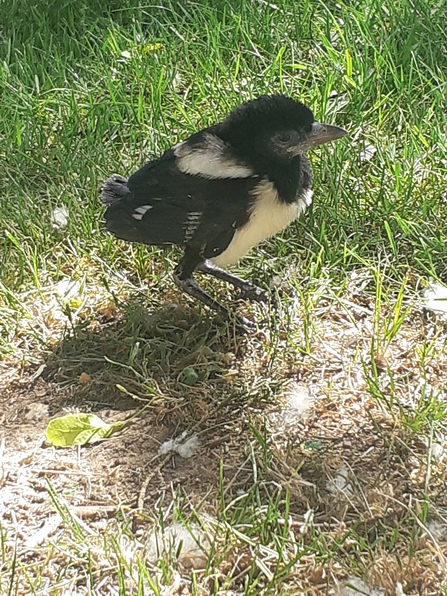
80,429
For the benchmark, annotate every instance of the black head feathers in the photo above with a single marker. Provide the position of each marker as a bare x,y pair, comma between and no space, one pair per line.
265,114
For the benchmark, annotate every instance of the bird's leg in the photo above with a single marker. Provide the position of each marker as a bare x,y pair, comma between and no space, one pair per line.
248,289
191,287
183,276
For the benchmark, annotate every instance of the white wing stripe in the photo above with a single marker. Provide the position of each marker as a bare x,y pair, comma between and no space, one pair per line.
141,211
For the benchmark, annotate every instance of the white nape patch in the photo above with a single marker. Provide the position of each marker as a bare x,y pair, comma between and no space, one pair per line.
269,216
340,484
68,290
140,211
210,159
191,224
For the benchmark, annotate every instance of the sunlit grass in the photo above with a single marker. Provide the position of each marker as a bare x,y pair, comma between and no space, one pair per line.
92,88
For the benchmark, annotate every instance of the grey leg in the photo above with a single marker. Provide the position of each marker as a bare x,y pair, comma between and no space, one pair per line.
183,276
191,287
248,289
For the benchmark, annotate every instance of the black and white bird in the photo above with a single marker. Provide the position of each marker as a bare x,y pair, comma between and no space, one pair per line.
222,191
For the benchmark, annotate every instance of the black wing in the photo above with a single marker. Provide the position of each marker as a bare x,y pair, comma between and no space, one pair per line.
183,197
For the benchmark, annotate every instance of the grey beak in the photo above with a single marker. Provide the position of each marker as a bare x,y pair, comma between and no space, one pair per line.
323,133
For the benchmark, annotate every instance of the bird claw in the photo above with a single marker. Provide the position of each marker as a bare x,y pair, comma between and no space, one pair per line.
254,294
257,294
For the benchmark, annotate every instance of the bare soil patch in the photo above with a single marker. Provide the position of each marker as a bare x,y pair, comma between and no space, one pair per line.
354,467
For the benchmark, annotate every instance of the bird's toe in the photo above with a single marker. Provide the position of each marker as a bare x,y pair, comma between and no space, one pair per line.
254,294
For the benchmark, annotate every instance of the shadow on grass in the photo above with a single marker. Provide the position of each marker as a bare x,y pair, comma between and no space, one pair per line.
177,363
75,18
167,356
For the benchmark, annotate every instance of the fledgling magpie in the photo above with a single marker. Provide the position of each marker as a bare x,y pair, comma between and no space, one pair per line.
222,191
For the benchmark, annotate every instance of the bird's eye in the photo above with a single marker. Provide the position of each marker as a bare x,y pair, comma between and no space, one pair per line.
284,137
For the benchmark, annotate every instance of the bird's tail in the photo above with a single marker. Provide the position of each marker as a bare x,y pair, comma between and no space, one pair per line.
114,189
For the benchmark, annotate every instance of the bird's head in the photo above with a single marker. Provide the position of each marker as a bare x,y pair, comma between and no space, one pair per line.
276,127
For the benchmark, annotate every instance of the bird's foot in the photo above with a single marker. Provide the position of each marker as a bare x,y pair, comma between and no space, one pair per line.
256,294
249,291
191,287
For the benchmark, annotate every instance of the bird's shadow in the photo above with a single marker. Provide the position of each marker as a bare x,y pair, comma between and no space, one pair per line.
122,362
171,360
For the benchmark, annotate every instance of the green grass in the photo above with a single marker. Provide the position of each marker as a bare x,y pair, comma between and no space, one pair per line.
89,88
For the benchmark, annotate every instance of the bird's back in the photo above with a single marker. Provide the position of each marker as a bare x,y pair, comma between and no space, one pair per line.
161,205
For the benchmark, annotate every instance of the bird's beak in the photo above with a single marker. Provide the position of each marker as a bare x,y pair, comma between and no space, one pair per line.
323,133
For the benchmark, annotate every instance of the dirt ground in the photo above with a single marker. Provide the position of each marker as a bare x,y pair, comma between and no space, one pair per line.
75,377
348,458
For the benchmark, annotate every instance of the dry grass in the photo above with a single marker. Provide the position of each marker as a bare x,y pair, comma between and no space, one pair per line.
313,467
